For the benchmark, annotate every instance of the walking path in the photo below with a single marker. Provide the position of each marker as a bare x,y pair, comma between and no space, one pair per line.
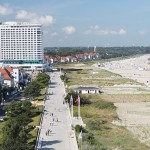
56,132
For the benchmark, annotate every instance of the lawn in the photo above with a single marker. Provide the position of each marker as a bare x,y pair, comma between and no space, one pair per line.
42,96
34,132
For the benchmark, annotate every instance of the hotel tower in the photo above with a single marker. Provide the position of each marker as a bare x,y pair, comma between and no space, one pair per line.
21,43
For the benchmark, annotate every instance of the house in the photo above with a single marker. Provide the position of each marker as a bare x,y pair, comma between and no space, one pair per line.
73,59
8,78
68,58
87,56
79,57
63,59
47,59
87,90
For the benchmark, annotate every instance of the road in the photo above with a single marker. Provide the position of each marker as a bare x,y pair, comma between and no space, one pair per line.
56,119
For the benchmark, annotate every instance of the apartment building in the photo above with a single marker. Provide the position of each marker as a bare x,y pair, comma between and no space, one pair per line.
21,44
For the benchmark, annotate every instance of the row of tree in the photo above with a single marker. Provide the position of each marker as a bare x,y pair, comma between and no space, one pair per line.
106,52
16,130
34,88
16,133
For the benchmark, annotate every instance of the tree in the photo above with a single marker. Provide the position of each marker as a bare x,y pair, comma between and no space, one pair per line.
43,79
16,132
33,90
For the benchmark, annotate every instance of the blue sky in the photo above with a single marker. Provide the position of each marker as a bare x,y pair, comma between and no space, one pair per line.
84,22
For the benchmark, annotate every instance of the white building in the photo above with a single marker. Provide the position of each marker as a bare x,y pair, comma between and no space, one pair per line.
21,44
87,90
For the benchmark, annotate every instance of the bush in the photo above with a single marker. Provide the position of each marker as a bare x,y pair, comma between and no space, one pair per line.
89,137
97,124
105,105
79,128
87,146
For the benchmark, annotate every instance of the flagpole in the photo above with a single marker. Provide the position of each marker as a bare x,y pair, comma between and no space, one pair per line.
79,107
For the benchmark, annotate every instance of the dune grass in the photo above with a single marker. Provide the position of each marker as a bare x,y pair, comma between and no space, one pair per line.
100,78
106,135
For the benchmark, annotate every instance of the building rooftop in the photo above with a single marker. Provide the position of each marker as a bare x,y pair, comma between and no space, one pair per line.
19,24
86,88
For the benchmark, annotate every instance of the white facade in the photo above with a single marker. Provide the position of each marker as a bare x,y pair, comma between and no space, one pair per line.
20,41
9,83
87,90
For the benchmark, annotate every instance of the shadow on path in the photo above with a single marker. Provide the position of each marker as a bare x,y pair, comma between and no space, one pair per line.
46,149
47,143
53,83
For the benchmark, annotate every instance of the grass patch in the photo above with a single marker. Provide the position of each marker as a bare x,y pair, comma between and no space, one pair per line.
101,78
43,91
35,121
104,105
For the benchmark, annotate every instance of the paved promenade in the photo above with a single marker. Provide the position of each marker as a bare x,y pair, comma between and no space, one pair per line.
56,133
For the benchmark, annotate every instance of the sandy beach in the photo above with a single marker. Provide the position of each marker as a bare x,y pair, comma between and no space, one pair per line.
134,68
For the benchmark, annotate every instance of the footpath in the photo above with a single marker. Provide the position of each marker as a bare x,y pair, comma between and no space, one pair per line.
55,130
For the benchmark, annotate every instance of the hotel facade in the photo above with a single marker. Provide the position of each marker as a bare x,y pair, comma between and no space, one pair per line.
21,45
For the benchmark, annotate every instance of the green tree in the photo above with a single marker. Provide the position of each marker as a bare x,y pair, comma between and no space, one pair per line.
16,132
33,90
43,79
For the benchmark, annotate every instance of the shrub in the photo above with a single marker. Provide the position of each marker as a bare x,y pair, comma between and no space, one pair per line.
105,105
96,124
89,137
79,128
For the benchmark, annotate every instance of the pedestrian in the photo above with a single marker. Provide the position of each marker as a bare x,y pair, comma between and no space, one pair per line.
57,120
46,133
52,114
53,119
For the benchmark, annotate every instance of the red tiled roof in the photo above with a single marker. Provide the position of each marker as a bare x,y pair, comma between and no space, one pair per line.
63,58
10,69
46,57
79,55
6,74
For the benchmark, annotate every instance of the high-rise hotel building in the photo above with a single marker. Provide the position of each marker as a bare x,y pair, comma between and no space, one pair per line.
21,45
20,42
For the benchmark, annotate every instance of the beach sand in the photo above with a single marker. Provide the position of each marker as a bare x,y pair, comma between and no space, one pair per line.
137,68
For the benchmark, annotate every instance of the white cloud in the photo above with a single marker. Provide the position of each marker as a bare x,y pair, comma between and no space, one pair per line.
5,10
142,32
34,18
96,30
69,29
54,34
22,14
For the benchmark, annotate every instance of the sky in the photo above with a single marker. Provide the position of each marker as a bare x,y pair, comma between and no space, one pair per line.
101,23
